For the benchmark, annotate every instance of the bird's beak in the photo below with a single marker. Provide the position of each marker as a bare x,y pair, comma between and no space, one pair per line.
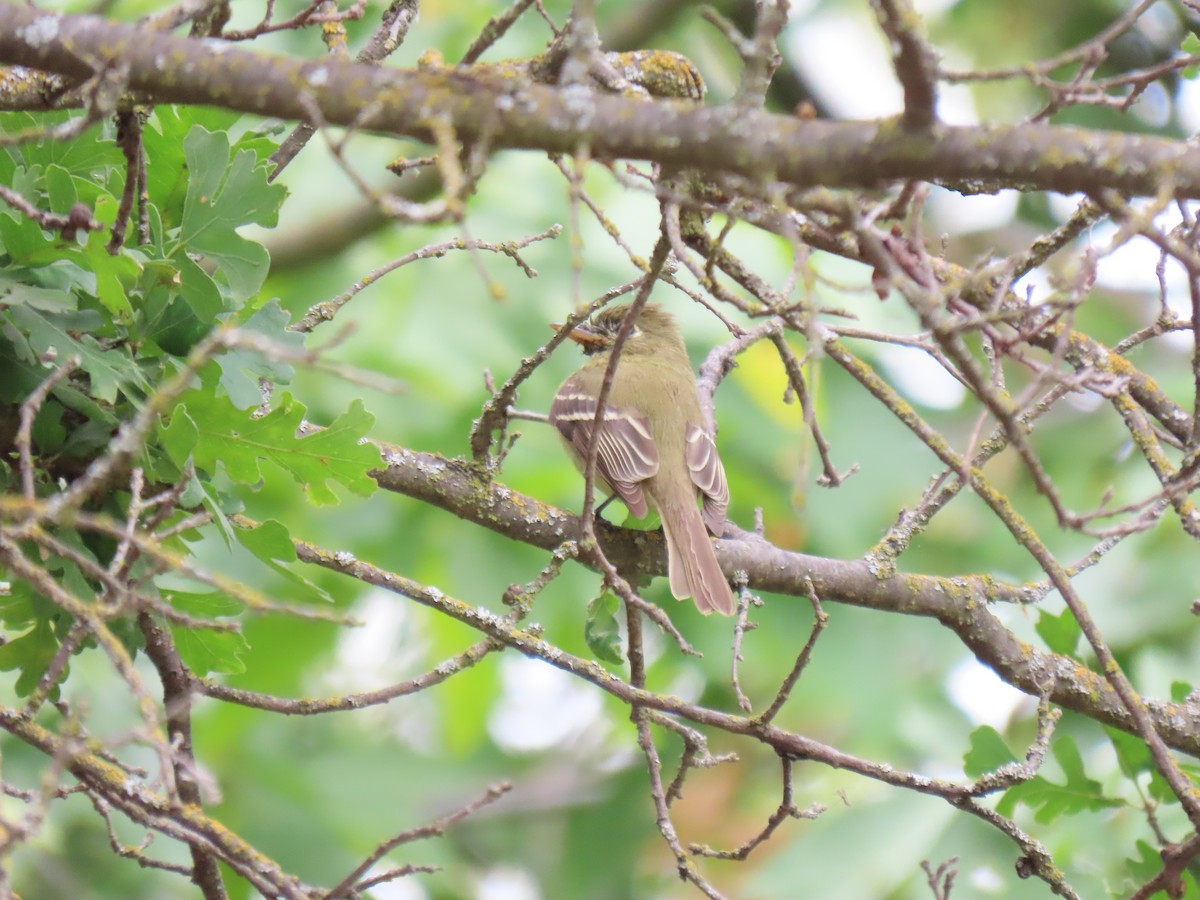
581,334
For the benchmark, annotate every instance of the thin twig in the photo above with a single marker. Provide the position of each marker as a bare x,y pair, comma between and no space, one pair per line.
350,884
326,310
787,809
30,407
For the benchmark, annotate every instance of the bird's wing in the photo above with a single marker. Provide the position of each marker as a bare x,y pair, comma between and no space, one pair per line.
625,451
709,476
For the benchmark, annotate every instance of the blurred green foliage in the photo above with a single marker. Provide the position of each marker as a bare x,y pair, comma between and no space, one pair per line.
318,793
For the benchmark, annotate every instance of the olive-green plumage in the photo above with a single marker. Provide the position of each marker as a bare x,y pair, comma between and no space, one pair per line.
653,450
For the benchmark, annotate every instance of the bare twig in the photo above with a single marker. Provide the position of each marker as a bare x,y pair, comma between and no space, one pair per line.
327,309
820,620
311,706
351,883
913,59
787,809
79,219
30,407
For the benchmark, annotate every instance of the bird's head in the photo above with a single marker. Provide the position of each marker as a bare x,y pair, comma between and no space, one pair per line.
653,332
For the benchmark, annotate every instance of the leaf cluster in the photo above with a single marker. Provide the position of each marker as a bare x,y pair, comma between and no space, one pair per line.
108,328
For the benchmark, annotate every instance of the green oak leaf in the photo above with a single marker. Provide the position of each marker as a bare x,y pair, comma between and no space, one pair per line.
1190,46
114,274
23,606
241,367
198,289
272,543
1134,759
1050,799
987,752
30,655
1061,633
110,370
179,436
241,442
1146,866
22,238
221,197
60,188
15,292
206,650
601,630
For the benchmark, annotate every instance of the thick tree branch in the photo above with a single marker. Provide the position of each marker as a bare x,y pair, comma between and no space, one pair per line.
506,111
455,486
958,603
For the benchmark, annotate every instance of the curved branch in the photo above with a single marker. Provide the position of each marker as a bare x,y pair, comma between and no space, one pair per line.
184,822
456,486
958,603
503,110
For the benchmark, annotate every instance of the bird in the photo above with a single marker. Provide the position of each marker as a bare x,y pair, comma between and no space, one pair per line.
653,449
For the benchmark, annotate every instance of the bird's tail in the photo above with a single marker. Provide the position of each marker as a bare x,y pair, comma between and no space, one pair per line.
692,566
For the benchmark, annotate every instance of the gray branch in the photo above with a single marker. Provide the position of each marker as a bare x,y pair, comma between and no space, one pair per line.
500,110
959,603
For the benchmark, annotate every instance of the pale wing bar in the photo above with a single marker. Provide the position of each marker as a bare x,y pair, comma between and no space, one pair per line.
709,476
625,451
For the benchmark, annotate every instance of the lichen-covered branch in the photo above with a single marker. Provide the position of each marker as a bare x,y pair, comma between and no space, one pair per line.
959,603
506,110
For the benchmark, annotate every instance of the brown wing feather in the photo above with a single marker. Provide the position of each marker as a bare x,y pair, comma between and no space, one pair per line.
625,451
709,476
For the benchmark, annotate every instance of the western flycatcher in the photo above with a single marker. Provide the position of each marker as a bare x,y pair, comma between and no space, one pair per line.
653,450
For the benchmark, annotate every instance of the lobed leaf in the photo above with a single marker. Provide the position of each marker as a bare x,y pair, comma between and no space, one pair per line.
241,442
